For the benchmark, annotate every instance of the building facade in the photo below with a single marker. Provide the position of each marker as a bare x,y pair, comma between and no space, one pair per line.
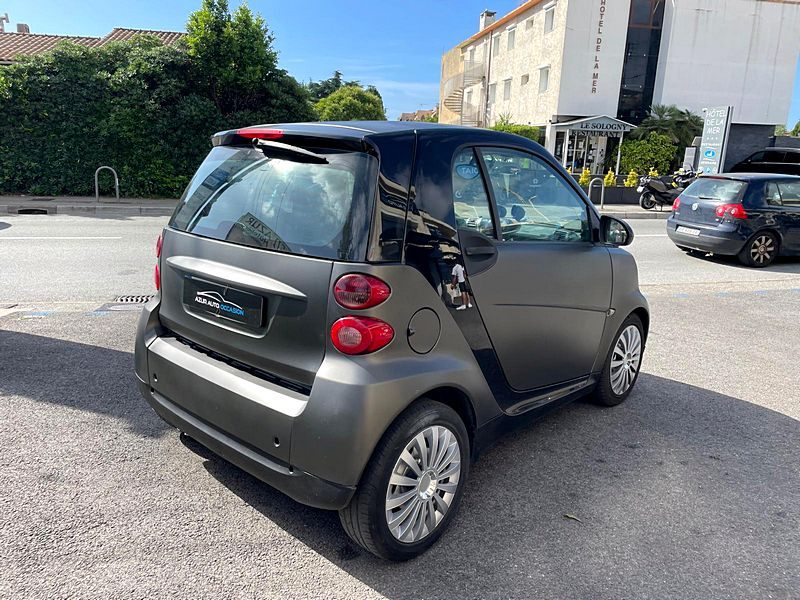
556,61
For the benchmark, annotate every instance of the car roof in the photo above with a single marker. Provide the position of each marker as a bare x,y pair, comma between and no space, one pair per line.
358,130
750,176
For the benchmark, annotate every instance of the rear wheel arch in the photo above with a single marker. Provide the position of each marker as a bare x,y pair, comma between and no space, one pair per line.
644,317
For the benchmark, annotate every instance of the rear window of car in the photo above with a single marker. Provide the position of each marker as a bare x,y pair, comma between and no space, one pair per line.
723,190
243,196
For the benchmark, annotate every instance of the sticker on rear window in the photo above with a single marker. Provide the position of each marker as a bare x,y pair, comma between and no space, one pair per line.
467,171
249,228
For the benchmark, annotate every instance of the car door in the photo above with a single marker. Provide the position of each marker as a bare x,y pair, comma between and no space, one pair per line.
789,213
543,287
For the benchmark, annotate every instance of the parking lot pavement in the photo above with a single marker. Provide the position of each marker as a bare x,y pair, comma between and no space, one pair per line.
690,489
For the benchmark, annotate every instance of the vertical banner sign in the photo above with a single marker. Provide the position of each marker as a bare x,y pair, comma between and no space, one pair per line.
715,139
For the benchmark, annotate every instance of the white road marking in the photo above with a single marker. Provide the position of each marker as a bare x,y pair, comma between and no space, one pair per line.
56,237
638,235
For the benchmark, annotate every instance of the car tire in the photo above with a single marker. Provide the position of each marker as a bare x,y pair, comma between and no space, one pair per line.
367,518
761,250
647,201
621,369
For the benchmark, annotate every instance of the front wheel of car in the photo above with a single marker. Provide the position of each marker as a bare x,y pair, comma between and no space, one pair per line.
761,250
413,483
621,369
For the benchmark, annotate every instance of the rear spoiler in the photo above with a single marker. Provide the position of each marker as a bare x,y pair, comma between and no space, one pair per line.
289,152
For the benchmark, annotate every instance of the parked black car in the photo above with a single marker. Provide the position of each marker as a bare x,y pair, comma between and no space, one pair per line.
783,161
352,311
754,216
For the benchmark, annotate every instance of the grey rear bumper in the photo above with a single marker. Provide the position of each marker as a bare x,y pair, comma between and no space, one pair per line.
301,486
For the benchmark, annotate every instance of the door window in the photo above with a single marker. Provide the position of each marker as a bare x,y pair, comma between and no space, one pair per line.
534,203
470,200
774,156
773,195
790,192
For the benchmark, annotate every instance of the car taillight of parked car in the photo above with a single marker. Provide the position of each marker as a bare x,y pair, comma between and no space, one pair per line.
733,210
676,204
157,270
360,335
357,291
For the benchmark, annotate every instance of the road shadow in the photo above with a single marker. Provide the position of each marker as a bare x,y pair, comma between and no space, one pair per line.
680,492
4,225
782,264
81,376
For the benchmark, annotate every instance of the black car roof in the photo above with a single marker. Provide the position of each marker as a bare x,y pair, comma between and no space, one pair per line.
358,130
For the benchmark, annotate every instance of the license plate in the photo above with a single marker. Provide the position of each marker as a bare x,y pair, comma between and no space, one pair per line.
223,302
688,230
640,189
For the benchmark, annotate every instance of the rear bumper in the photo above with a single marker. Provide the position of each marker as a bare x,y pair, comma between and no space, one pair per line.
710,239
301,486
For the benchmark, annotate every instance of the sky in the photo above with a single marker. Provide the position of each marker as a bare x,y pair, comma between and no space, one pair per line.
393,45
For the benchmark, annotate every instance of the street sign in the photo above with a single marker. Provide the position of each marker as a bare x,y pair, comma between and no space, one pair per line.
715,139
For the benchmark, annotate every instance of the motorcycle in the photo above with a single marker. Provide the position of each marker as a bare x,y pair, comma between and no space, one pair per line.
657,192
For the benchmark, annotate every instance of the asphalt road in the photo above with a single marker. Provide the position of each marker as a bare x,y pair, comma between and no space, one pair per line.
691,489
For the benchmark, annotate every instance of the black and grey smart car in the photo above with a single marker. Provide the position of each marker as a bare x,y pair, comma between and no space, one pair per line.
352,311
754,216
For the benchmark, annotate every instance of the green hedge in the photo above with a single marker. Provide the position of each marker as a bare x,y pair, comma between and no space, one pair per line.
138,106
526,131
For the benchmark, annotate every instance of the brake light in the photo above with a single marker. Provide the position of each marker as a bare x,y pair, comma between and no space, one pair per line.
360,335
676,204
157,278
357,291
735,210
258,133
159,243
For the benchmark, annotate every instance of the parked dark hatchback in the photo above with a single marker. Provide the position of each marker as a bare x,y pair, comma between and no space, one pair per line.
352,311
781,161
750,215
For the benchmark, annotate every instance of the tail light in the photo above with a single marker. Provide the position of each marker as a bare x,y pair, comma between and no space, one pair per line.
676,204
259,133
157,271
356,291
360,335
734,210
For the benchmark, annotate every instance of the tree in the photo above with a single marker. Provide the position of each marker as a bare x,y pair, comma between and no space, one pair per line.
322,89
781,130
680,126
655,152
796,130
235,65
351,103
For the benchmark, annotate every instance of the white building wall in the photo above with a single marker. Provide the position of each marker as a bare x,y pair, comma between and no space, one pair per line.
594,47
533,49
741,53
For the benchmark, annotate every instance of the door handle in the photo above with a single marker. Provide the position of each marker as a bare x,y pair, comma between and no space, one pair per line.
481,251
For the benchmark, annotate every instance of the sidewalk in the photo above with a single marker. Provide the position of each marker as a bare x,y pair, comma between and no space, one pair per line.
109,207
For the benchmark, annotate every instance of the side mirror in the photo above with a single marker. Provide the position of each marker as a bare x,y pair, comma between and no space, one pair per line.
615,232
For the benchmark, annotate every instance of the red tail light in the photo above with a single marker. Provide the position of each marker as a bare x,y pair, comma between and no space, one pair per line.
157,277
676,204
357,291
360,335
258,133
734,210
159,243
157,271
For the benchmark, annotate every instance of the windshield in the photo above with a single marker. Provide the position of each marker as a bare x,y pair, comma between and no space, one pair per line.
242,196
723,190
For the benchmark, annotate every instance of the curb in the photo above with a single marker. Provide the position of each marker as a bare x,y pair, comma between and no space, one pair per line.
106,210
637,215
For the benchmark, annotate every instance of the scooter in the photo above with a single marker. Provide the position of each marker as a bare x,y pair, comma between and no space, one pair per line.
656,192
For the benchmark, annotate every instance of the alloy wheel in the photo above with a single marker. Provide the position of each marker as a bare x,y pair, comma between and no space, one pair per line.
625,359
423,483
762,250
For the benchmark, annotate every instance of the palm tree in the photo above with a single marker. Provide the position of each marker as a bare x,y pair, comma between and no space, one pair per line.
680,126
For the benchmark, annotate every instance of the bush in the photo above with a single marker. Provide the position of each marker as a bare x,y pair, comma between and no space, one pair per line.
585,178
610,179
654,152
632,180
145,109
526,131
